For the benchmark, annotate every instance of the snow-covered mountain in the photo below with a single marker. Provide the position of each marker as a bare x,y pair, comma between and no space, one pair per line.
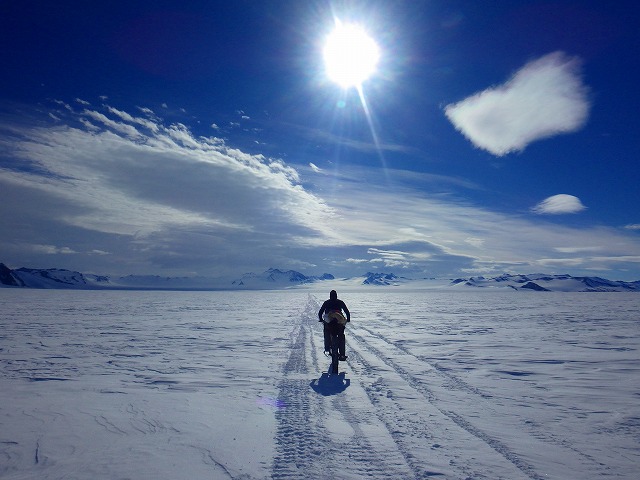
382,279
57,278
546,283
47,278
273,278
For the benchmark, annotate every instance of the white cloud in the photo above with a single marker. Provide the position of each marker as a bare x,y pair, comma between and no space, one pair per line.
577,249
559,204
314,167
162,200
633,226
137,188
52,250
544,98
357,260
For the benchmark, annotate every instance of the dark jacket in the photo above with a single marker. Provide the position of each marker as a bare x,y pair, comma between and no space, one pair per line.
334,304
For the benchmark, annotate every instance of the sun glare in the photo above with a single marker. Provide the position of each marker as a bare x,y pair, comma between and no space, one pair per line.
350,55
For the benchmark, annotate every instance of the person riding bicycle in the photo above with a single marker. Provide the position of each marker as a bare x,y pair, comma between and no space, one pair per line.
334,321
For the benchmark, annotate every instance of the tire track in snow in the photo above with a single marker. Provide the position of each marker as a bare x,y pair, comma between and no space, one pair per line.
323,436
362,458
453,382
406,426
427,394
296,444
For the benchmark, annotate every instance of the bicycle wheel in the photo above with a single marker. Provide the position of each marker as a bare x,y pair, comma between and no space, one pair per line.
334,353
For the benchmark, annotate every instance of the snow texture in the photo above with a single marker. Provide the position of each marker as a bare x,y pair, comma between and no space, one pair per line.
233,385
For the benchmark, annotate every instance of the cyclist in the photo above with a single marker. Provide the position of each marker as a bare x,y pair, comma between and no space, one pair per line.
334,321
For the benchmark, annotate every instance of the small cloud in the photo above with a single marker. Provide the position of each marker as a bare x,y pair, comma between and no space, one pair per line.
390,258
82,102
475,242
559,204
215,126
356,260
52,250
577,249
149,113
633,226
544,98
315,168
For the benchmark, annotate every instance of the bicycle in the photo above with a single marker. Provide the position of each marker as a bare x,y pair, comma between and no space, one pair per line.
334,347
335,357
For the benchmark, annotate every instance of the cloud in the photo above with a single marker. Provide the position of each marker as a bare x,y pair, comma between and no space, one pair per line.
446,236
314,167
544,98
161,200
52,250
357,260
107,181
559,204
633,226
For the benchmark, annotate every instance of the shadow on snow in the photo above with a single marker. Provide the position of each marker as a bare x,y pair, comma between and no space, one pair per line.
328,385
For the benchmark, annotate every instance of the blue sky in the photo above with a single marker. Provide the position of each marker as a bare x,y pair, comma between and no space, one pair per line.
205,138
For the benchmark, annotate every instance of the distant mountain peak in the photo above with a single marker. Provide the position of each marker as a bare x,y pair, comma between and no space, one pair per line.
545,283
380,278
275,278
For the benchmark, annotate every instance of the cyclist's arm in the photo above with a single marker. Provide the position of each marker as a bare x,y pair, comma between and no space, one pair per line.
346,310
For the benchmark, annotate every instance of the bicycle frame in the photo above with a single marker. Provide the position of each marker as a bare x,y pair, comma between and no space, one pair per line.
334,353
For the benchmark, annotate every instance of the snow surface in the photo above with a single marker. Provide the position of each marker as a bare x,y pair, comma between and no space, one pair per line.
218,385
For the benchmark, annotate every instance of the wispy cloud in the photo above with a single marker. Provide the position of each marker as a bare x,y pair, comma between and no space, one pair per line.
559,204
52,249
544,98
169,195
158,198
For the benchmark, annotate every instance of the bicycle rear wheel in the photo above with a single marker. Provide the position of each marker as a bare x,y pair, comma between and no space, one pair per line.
334,354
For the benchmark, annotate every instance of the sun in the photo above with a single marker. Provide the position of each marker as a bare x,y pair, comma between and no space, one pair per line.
350,55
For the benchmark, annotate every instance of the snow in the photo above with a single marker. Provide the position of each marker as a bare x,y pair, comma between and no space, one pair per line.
451,384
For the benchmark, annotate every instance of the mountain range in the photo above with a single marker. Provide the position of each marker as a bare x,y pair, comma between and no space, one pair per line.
274,278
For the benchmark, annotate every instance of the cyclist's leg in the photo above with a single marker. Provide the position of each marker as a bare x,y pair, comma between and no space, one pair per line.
332,329
327,337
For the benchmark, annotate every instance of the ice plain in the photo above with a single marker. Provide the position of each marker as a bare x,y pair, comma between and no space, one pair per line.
208,385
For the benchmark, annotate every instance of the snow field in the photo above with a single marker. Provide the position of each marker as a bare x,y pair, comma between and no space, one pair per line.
195,385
